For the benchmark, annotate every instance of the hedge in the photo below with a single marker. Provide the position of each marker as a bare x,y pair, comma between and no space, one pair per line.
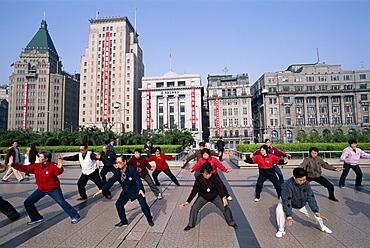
117,149
292,147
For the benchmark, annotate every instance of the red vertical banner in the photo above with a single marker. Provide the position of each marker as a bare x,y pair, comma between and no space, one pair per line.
218,118
193,119
148,115
106,75
25,102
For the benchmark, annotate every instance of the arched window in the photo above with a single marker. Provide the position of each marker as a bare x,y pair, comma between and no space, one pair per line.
236,133
274,135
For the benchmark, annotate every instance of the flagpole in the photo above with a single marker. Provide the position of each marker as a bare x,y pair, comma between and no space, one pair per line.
170,59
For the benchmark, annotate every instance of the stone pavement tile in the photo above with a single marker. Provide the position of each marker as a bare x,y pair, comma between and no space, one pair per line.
129,243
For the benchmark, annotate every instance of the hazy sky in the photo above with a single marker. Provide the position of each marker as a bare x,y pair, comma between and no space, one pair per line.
205,36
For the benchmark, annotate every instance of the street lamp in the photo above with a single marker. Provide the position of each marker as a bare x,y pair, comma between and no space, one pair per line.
117,106
104,124
70,123
264,92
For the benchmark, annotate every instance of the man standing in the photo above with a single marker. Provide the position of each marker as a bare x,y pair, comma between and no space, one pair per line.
132,189
351,156
148,148
14,152
220,148
297,193
142,167
108,158
110,145
90,171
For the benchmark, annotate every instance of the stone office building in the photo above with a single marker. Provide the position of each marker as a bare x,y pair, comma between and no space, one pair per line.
42,96
171,100
111,73
230,113
308,98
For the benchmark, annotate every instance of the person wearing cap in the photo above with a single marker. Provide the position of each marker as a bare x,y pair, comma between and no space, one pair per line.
132,189
111,145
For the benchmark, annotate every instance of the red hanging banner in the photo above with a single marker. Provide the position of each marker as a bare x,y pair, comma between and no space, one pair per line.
218,118
106,75
193,119
148,115
25,101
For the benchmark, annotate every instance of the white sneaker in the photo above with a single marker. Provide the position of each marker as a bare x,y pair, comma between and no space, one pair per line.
229,198
326,229
280,234
159,197
256,200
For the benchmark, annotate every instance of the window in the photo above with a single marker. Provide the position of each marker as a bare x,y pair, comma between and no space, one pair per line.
347,77
348,86
299,110
362,76
323,110
161,84
298,88
288,121
311,99
287,110
299,100
245,111
365,107
365,119
363,85
224,122
273,100
335,78
286,99
323,120
310,79
348,109
322,78
363,97
245,121
299,121
311,121
297,79
170,84
310,87
336,120
286,88
311,110
272,89
285,79
336,109
230,110
323,99
335,99
224,112
323,87
335,87
235,111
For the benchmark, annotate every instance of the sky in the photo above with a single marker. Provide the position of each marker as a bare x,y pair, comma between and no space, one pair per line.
205,36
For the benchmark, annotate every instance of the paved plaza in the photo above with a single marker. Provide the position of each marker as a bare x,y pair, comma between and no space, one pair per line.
349,218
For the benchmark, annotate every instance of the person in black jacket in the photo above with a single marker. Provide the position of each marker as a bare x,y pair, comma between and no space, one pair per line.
148,148
297,193
5,207
220,147
209,189
108,158
132,189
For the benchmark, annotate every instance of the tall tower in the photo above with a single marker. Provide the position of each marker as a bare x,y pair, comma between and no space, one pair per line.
111,72
42,96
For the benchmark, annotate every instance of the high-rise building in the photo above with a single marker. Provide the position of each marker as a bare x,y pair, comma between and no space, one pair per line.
111,72
173,100
230,113
42,96
308,98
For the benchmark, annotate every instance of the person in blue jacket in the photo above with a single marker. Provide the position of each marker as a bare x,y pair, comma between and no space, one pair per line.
132,189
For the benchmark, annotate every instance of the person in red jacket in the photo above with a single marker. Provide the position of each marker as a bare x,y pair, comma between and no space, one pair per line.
161,165
46,174
266,169
142,166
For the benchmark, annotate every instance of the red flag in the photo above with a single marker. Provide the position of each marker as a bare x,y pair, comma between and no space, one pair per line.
98,12
12,64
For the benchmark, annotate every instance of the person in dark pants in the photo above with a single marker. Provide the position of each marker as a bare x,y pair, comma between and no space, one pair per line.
197,155
220,148
32,154
111,145
351,157
132,189
275,151
209,189
312,165
142,166
90,171
148,148
266,170
46,174
162,166
108,158
5,207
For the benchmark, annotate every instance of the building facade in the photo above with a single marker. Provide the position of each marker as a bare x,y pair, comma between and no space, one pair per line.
308,98
42,96
111,73
173,100
230,112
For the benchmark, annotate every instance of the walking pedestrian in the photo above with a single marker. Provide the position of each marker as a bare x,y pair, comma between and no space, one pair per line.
132,189
209,189
312,165
13,152
297,193
351,157
220,148
266,170
46,174
161,166
142,166
90,171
